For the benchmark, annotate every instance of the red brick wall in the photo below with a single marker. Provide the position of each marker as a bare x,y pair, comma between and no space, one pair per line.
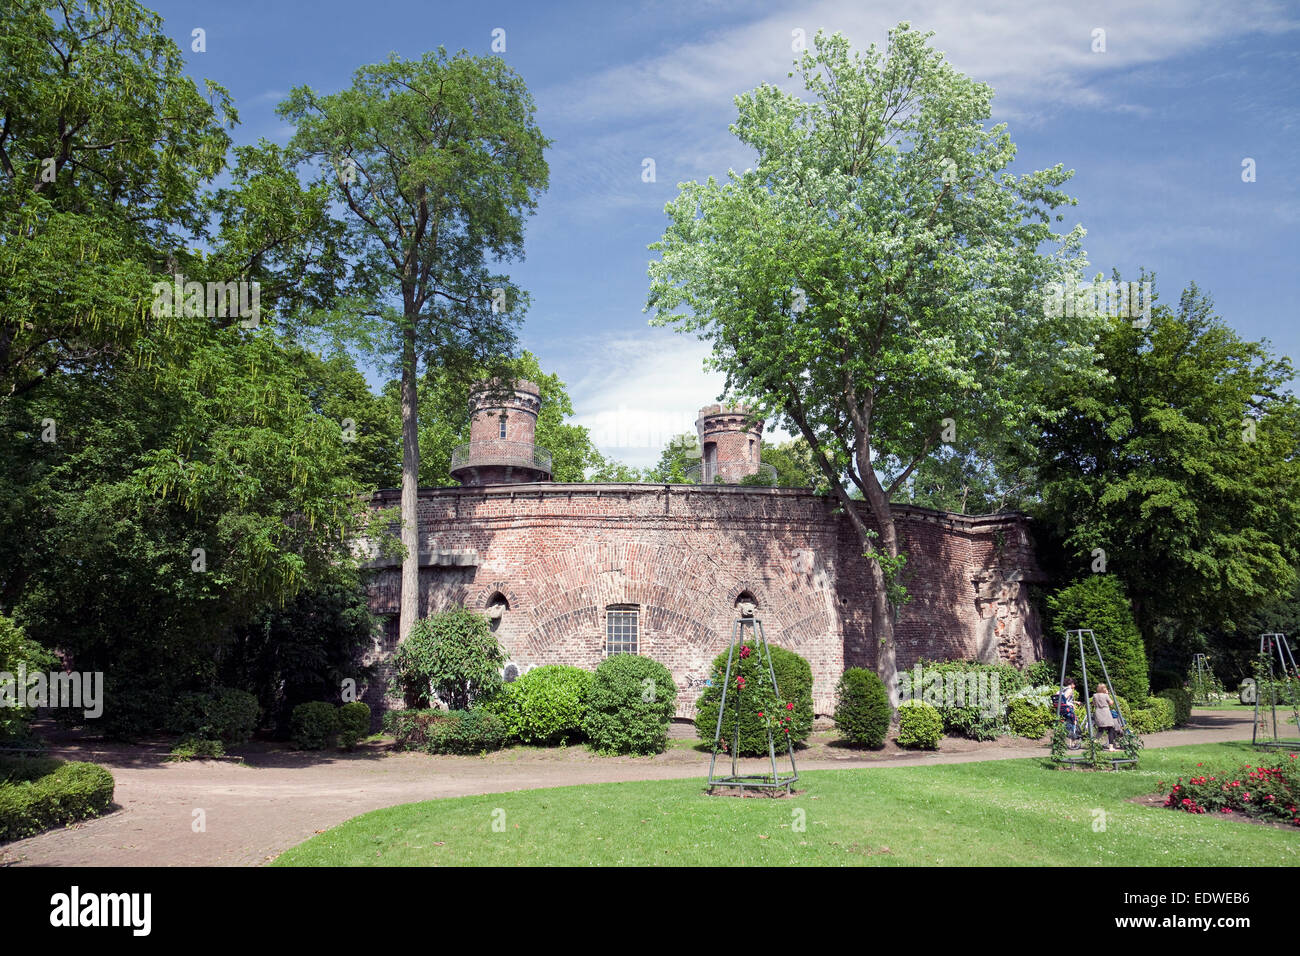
560,554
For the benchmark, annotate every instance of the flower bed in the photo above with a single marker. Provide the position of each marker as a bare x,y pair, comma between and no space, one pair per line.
1270,791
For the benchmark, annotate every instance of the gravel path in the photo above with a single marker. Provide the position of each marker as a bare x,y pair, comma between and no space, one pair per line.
255,810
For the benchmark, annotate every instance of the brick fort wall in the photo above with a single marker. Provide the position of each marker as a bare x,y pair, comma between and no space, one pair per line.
554,557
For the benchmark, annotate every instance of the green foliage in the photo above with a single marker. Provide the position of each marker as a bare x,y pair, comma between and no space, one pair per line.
951,686
862,709
303,650
1179,462
857,250
1043,673
630,704
1158,714
453,655
1027,717
546,706
1098,602
314,725
1181,700
16,650
680,454
39,793
919,725
196,748
795,467
224,714
793,685
354,723
447,732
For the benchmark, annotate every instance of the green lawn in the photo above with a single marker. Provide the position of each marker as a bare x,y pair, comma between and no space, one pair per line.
1005,812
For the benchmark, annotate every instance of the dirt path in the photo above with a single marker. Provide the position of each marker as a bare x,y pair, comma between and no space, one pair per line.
276,799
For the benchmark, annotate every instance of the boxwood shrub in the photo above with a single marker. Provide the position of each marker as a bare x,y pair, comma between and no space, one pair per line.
793,680
1155,716
919,725
314,725
354,723
630,703
39,793
862,710
447,731
1181,698
546,705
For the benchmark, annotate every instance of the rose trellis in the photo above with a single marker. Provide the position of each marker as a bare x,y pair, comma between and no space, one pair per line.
764,695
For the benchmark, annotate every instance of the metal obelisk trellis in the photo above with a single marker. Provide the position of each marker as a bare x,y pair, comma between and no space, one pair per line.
1087,695
1201,665
1271,646
774,780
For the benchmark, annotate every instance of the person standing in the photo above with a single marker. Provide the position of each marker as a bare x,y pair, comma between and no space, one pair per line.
1103,714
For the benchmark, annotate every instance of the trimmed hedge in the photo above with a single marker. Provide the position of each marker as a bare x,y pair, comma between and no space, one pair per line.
354,723
447,731
862,710
631,701
39,793
1155,716
1182,701
546,706
793,680
314,725
919,725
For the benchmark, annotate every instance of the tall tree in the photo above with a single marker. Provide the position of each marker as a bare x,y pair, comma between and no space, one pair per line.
437,162
875,280
104,146
1179,471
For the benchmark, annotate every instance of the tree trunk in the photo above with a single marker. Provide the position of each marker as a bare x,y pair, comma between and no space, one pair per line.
410,607
882,612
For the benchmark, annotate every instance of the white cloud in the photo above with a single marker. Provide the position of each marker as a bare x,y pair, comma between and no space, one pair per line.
643,390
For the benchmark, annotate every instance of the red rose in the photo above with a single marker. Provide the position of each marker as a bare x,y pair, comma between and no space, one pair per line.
789,706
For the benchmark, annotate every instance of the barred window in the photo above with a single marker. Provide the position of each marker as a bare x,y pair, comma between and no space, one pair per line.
620,631
503,427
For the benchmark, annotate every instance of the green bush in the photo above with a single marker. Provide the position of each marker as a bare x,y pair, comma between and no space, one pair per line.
1029,717
794,683
196,748
354,723
949,686
546,705
447,731
453,655
919,725
1043,673
36,794
223,714
16,649
1182,701
1155,716
314,725
1099,602
630,703
862,710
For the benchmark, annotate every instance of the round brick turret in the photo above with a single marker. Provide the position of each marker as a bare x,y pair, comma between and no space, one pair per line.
731,443
502,449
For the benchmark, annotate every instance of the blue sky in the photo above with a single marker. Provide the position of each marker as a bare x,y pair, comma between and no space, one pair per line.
1156,129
